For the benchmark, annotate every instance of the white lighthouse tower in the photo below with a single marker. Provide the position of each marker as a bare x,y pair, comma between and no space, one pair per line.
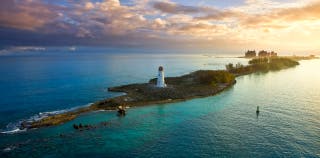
160,79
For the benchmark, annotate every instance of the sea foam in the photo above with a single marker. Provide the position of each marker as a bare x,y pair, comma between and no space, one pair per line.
12,128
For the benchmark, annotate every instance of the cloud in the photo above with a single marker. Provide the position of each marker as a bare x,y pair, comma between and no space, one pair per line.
281,18
309,12
173,8
89,6
147,23
28,15
221,15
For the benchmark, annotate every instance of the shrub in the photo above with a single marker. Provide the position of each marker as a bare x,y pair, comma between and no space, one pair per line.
214,77
272,63
258,61
229,67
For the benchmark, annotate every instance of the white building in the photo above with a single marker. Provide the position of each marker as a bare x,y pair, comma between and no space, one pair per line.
160,79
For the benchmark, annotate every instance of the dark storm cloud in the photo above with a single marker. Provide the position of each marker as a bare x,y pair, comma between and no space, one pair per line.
173,8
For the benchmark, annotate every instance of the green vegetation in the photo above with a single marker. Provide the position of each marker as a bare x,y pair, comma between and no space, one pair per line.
262,65
281,63
258,61
209,77
230,67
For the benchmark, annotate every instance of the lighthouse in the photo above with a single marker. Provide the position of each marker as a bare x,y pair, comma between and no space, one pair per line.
160,79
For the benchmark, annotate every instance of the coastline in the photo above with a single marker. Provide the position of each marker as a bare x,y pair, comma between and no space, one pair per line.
134,95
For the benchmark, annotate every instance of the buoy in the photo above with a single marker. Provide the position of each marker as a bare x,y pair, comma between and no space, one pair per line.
257,110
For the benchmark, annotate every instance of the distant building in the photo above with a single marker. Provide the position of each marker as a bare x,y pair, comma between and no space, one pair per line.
160,80
250,54
263,53
273,54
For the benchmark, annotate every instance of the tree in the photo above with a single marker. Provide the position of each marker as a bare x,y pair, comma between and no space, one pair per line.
229,67
239,65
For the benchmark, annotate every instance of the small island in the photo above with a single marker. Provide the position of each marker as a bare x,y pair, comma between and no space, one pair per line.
201,83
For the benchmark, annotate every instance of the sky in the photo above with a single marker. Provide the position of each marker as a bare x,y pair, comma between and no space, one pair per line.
170,25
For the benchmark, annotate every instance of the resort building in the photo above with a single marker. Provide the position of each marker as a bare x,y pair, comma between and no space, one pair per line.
264,53
250,54
273,54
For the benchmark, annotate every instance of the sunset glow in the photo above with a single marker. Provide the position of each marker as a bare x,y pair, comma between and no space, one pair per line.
228,26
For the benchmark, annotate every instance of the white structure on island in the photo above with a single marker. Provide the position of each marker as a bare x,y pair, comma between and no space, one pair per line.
160,79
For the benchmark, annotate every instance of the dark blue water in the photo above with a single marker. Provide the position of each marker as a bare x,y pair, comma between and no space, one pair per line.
225,125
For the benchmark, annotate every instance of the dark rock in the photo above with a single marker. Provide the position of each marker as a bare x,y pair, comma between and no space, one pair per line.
122,112
75,126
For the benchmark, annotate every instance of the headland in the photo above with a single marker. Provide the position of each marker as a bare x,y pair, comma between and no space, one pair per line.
201,83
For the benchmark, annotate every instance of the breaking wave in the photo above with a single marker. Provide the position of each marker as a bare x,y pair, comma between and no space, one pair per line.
12,128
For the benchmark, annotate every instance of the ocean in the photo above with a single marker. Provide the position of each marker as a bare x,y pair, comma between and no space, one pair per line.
225,125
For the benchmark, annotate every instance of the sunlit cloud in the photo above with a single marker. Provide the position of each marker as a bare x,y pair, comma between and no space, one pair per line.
283,26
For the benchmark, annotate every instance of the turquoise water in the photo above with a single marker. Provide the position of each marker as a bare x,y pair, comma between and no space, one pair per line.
225,125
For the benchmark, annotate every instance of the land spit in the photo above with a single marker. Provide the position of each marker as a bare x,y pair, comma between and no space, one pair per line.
197,84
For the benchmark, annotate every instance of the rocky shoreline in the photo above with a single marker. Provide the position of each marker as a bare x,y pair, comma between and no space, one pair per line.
179,89
202,83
